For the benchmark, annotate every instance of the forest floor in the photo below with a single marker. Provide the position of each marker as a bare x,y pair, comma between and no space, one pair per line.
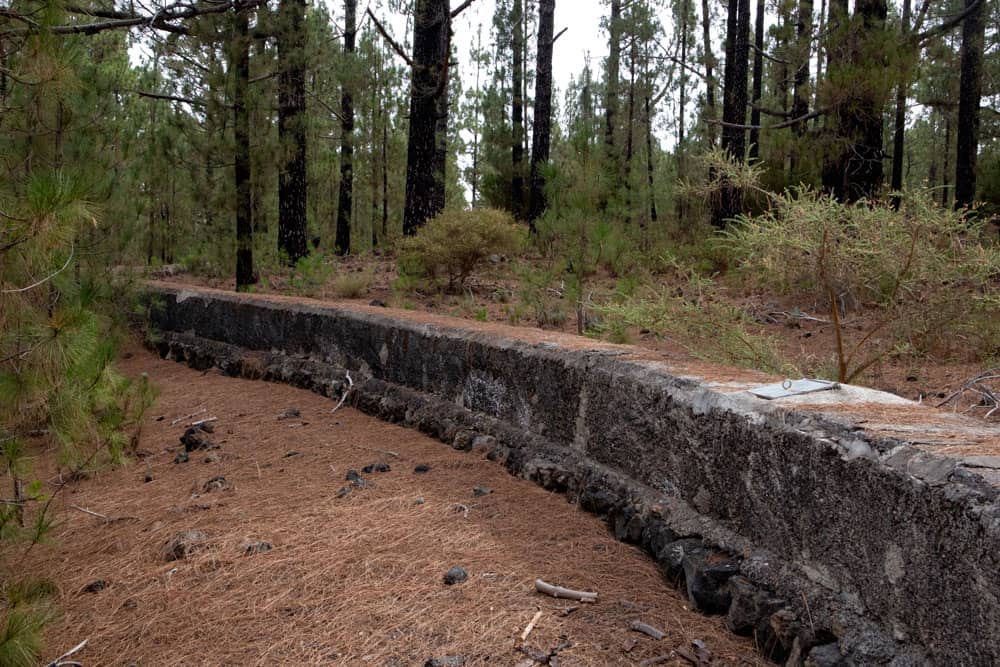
802,331
351,577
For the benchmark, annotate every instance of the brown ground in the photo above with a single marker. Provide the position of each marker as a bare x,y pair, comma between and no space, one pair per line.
494,295
351,581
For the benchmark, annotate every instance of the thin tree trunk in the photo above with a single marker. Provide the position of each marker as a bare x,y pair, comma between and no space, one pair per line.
819,53
970,93
899,129
945,185
647,104
517,113
292,185
680,152
706,25
800,95
345,200
240,66
611,96
424,183
630,130
542,117
734,104
758,75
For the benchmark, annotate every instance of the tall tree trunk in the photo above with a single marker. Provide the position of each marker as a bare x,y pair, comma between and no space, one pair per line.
292,186
734,103
970,92
541,134
853,170
899,129
424,179
945,173
517,112
758,75
647,105
345,200
680,152
819,53
630,129
612,153
706,27
239,64
800,93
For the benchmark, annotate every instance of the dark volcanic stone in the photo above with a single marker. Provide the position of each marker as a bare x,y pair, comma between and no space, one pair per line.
480,491
422,468
182,457
354,478
257,548
216,484
705,574
446,661
750,613
455,575
195,438
183,544
147,479
827,655
376,467
95,586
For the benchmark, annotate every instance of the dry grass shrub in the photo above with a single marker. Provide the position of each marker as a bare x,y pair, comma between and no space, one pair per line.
930,276
454,242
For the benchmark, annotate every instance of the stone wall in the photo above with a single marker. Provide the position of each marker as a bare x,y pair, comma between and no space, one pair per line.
833,544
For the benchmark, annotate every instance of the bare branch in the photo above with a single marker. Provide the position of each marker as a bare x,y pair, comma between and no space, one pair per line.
461,8
171,98
779,126
393,43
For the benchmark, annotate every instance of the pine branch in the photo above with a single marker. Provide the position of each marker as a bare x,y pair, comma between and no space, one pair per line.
920,38
393,43
780,126
171,98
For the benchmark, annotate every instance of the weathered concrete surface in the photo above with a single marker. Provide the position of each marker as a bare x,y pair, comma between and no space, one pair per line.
803,519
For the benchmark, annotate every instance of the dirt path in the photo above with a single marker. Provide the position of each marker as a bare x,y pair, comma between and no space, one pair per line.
352,580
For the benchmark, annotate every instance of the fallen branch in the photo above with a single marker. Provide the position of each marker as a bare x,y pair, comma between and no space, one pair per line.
104,517
646,629
567,593
350,385
204,421
531,625
61,662
186,417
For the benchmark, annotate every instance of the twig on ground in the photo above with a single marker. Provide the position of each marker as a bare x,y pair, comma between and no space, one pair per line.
104,517
464,509
350,385
646,629
531,625
204,421
567,593
60,661
200,411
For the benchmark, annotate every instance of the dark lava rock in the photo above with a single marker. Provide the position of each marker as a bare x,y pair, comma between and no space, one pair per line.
422,468
705,574
290,413
376,467
480,491
750,613
827,655
182,457
95,586
378,303
216,484
147,479
455,575
257,548
446,661
183,544
292,453
207,427
345,491
354,478
195,438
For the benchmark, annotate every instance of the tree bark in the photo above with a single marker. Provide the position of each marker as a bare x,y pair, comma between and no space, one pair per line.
899,129
612,154
517,112
970,93
734,103
706,25
424,178
292,185
800,95
758,75
345,199
239,64
541,134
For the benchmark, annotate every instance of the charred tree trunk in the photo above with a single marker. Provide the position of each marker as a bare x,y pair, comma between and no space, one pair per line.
899,129
517,113
424,178
541,135
345,200
945,185
734,104
239,64
970,92
800,93
612,152
680,152
706,26
758,75
630,129
292,187
647,105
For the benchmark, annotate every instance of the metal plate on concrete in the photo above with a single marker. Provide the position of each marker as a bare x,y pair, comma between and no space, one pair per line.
791,388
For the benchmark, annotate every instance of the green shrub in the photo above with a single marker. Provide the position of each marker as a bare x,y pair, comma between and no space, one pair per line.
351,285
453,243
929,275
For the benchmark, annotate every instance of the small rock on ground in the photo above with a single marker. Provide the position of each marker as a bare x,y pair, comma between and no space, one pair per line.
257,548
376,467
446,661
95,586
182,457
481,491
455,575
422,468
183,544
195,438
290,413
216,484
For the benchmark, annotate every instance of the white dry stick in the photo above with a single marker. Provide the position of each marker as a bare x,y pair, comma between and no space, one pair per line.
105,518
531,625
186,417
350,385
567,593
58,662
204,421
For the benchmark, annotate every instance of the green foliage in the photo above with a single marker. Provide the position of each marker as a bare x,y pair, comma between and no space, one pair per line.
351,285
455,242
311,273
27,610
928,274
